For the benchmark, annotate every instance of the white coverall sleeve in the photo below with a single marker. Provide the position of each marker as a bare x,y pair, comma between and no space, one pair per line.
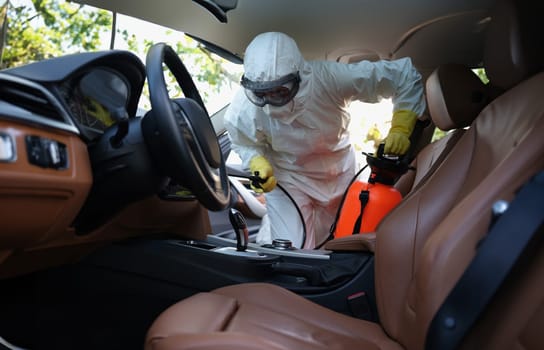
371,81
242,124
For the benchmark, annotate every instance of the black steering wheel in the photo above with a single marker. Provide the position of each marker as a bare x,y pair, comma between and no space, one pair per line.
183,133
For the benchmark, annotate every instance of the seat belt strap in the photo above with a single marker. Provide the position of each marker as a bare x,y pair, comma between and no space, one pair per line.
496,255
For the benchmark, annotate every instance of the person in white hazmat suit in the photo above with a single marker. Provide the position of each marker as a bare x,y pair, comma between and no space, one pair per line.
289,125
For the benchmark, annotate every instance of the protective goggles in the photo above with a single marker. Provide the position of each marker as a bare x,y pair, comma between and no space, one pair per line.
275,93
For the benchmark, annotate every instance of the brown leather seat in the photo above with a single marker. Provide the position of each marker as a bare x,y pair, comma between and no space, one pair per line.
423,246
455,97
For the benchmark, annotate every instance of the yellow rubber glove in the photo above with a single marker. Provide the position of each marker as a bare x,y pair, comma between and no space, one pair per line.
260,167
398,140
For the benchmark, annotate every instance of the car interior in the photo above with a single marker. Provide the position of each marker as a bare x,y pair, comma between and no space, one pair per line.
118,231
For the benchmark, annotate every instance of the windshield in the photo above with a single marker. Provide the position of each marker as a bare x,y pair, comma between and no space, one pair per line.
216,78
40,29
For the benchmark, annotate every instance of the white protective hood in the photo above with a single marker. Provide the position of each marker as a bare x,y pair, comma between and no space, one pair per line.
271,56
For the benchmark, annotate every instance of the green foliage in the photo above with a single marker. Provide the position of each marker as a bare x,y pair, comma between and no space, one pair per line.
51,28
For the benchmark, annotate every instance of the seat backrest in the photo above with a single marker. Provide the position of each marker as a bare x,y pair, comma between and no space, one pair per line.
424,245
455,97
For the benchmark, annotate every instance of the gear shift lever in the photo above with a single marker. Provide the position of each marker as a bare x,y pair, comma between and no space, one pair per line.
239,225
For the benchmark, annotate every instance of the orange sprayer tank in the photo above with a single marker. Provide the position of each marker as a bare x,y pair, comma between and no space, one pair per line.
366,203
378,199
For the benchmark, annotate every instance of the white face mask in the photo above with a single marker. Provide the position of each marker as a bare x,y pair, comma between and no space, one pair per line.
284,113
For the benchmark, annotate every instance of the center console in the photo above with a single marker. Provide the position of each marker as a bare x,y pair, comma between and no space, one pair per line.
342,281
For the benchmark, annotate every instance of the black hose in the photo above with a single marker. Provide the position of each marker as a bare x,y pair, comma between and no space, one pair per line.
255,180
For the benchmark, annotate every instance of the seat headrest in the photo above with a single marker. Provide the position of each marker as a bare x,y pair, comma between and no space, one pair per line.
455,96
514,43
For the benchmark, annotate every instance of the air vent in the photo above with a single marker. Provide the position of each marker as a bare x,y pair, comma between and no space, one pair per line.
30,99
25,100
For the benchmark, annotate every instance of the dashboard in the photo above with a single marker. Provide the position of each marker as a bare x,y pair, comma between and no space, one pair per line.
65,186
95,89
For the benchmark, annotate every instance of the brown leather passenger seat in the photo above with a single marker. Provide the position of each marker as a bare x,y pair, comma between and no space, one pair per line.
455,97
424,245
